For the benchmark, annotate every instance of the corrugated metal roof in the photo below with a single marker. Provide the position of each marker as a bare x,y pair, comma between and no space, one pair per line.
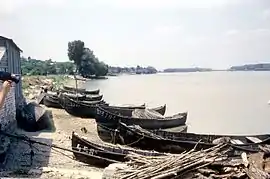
11,42
2,52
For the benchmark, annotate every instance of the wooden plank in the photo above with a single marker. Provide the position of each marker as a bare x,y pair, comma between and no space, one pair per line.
254,139
236,141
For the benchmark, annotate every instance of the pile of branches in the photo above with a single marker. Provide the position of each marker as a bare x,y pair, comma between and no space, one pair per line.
209,163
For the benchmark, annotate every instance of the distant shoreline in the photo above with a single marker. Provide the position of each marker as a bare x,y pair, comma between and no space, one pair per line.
246,67
217,71
160,72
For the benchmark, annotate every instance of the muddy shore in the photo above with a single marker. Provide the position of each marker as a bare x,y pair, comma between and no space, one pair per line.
47,162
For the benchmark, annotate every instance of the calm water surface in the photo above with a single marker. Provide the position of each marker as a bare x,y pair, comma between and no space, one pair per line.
217,102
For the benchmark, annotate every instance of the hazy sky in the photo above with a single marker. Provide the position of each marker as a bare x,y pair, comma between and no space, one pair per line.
162,33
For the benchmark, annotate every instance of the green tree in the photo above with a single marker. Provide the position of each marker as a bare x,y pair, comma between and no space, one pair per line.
75,52
38,67
50,67
87,64
101,69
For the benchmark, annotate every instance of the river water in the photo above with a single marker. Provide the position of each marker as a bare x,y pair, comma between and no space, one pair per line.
217,102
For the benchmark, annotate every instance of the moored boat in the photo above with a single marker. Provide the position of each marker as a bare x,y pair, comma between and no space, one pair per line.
93,157
93,97
78,108
76,139
87,109
102,155
70,89
137,137
110,118
51,101
111,135
83,97
130,110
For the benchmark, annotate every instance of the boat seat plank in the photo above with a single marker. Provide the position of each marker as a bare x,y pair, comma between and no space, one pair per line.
254,139
236,141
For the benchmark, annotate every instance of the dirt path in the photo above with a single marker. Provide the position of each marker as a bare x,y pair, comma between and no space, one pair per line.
50,163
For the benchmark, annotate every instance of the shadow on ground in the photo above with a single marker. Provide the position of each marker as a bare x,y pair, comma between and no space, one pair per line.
24,157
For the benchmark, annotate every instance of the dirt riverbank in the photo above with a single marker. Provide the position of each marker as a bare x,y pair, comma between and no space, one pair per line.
49,163
32,85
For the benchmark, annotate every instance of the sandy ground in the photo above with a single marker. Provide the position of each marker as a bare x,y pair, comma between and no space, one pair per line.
52,163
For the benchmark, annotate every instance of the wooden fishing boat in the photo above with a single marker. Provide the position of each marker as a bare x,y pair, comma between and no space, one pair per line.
110,135
69,89
83,97
51,101
129,110
104,154
76,139
137,137
93,97
93,157
86,109
110,118
78,108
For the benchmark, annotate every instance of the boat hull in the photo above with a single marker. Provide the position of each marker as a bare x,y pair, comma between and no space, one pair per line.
78,108
80,90
110,120
102,156
146,140
51,101
112,135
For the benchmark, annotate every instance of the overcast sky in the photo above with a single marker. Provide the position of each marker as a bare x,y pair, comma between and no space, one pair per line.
162,33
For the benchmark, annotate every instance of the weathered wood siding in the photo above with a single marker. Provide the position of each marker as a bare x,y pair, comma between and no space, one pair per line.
2,42
14,67
12,63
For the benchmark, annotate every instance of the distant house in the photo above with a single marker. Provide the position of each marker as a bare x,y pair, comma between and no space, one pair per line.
10,61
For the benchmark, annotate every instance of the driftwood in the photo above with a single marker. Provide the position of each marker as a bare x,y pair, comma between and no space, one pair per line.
157,167
209,163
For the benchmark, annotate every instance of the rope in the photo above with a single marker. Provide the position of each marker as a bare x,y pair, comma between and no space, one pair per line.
31,141
63,154
135,141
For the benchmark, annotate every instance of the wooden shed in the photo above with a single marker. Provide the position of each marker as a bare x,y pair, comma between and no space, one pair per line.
10,61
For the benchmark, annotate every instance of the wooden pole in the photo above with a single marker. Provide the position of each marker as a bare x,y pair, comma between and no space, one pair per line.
76,84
